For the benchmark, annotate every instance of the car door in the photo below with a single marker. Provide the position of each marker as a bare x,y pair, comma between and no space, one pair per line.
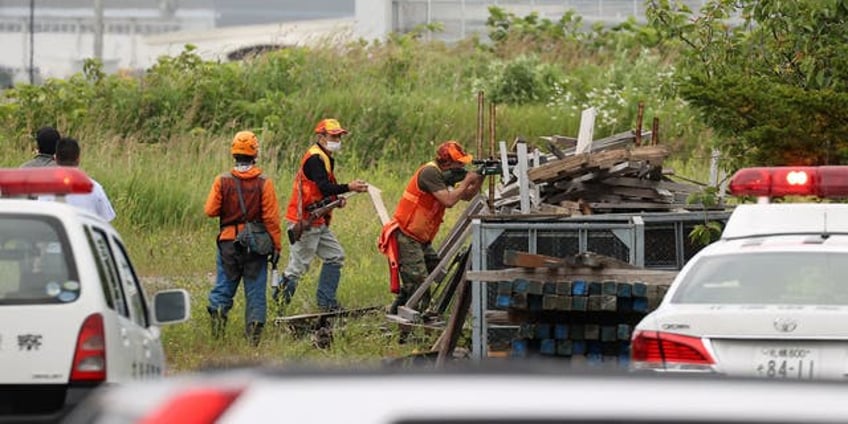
151,358
121,338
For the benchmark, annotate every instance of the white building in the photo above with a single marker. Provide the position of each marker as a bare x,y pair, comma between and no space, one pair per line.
136,32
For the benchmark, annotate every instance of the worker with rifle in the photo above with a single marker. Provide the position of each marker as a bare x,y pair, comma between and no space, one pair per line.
407,239
315,193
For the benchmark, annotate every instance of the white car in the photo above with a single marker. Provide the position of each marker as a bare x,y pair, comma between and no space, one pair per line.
770,299
543,395
72,312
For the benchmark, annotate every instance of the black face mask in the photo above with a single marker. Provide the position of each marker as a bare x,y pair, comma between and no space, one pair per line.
454,175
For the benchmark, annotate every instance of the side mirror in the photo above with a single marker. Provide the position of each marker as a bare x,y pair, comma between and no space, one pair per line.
171,306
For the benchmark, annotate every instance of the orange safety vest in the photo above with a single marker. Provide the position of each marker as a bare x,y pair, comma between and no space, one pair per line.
306,192
419,214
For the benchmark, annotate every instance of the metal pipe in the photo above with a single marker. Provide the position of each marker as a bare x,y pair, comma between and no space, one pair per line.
479,139
98,30
32,42
492,114
639,116
655,132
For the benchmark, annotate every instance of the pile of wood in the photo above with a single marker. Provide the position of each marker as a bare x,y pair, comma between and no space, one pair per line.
615,174
581,309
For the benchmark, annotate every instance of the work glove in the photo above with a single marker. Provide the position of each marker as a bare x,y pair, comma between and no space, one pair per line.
274,258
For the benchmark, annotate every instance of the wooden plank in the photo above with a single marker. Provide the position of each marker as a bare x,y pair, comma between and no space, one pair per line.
531,260
638,182
322,315
409,314
447,293
460,309
585,259
459,232
564,167
377,200
586,130
647,276
438,273
405,325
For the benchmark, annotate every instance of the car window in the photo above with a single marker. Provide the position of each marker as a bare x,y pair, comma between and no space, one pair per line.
135,295
107,271
36,264
793,278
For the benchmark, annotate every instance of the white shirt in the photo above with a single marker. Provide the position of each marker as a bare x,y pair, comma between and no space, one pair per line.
95,202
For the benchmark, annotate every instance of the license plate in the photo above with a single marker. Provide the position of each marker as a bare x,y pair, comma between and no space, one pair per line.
786,362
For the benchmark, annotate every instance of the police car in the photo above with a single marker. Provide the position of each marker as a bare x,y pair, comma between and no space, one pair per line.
517,395
770,298
73,314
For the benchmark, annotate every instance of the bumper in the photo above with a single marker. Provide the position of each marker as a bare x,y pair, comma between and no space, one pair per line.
40,403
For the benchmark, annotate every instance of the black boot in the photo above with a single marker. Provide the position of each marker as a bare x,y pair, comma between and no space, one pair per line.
219,323
253,332
400,300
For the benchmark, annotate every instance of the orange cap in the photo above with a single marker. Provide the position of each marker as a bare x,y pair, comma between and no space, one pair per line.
245,143
451,150
329,126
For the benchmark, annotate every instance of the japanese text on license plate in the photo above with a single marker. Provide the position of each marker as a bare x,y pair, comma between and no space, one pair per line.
785,362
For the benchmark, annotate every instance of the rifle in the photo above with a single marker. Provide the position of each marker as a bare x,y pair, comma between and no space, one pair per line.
315,211
483,167
492,166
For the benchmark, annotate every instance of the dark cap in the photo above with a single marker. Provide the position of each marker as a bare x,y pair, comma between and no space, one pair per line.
47,137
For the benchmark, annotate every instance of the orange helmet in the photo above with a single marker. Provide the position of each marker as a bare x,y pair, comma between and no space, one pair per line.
329,126
245,143
451,151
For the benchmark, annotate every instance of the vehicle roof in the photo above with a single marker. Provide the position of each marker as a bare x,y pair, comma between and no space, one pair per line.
51,208
448,396
757,220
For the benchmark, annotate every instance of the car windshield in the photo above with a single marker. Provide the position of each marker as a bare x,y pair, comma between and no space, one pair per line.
791,278
35,262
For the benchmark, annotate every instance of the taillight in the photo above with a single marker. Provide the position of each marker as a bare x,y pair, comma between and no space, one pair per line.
667,351
90,355
197,406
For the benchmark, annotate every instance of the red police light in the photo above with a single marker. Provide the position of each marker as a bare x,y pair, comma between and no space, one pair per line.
46,180
821,181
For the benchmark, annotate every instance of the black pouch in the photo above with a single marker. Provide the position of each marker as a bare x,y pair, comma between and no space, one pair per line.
255,239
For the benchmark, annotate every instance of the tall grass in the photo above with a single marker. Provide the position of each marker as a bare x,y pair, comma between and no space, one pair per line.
157,141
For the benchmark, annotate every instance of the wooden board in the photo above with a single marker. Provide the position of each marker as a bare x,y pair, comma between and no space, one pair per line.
379,207
647,276
580,260
321,315
562,168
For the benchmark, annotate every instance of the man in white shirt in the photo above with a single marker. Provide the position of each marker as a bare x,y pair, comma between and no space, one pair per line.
68,154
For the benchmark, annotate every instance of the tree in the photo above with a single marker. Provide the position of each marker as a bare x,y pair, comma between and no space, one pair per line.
769,76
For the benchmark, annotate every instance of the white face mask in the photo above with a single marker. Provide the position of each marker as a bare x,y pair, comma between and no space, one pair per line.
334,146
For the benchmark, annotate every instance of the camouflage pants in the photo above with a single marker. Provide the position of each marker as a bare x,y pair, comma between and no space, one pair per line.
416,261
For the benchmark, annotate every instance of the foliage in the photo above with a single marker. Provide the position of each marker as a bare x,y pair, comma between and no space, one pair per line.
768,76
709,231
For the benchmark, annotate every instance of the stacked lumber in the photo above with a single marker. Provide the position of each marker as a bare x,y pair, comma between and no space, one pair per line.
580,309
614,175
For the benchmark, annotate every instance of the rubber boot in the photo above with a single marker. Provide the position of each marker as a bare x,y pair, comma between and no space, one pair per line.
282,294
218,323
400,300
328,284
322,336
253,332
289,286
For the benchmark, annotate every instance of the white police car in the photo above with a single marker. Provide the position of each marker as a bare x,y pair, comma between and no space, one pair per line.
769,299
73,314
